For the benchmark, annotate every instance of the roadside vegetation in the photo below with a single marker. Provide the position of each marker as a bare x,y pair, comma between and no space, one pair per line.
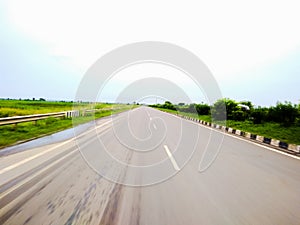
280,122
10,108
12,134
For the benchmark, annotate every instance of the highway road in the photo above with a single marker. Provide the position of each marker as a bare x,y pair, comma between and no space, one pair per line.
148,167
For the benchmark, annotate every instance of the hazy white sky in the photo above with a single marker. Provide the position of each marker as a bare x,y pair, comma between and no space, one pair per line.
251,47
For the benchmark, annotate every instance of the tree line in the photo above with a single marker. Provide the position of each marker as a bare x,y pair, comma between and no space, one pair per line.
287,114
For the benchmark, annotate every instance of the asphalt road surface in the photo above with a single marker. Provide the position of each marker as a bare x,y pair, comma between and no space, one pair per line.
149,167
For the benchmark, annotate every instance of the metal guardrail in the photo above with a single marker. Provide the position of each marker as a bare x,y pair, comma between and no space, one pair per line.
22,119
36,117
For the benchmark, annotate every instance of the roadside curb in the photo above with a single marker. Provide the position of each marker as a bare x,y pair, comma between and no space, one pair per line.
274,143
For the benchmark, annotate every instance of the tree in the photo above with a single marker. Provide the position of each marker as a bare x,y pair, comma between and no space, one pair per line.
238,115
229,109
259,115
168,105
192,108
219,110
284,113
247,103
203,109
231,106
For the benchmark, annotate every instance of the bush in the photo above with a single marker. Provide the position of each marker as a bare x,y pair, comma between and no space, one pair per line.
203,109
259,115
284,113
238,115
168,105
219,110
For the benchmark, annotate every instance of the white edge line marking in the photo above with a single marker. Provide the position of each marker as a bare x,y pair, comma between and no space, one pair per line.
147,112
237,137
248,141
36,174
50,149
148,115
44,169
33,157
176,167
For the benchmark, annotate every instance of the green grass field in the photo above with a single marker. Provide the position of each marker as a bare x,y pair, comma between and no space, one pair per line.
290,134
10,108
11,134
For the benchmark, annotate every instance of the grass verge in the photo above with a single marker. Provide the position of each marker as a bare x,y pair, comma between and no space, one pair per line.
289,135
11,134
